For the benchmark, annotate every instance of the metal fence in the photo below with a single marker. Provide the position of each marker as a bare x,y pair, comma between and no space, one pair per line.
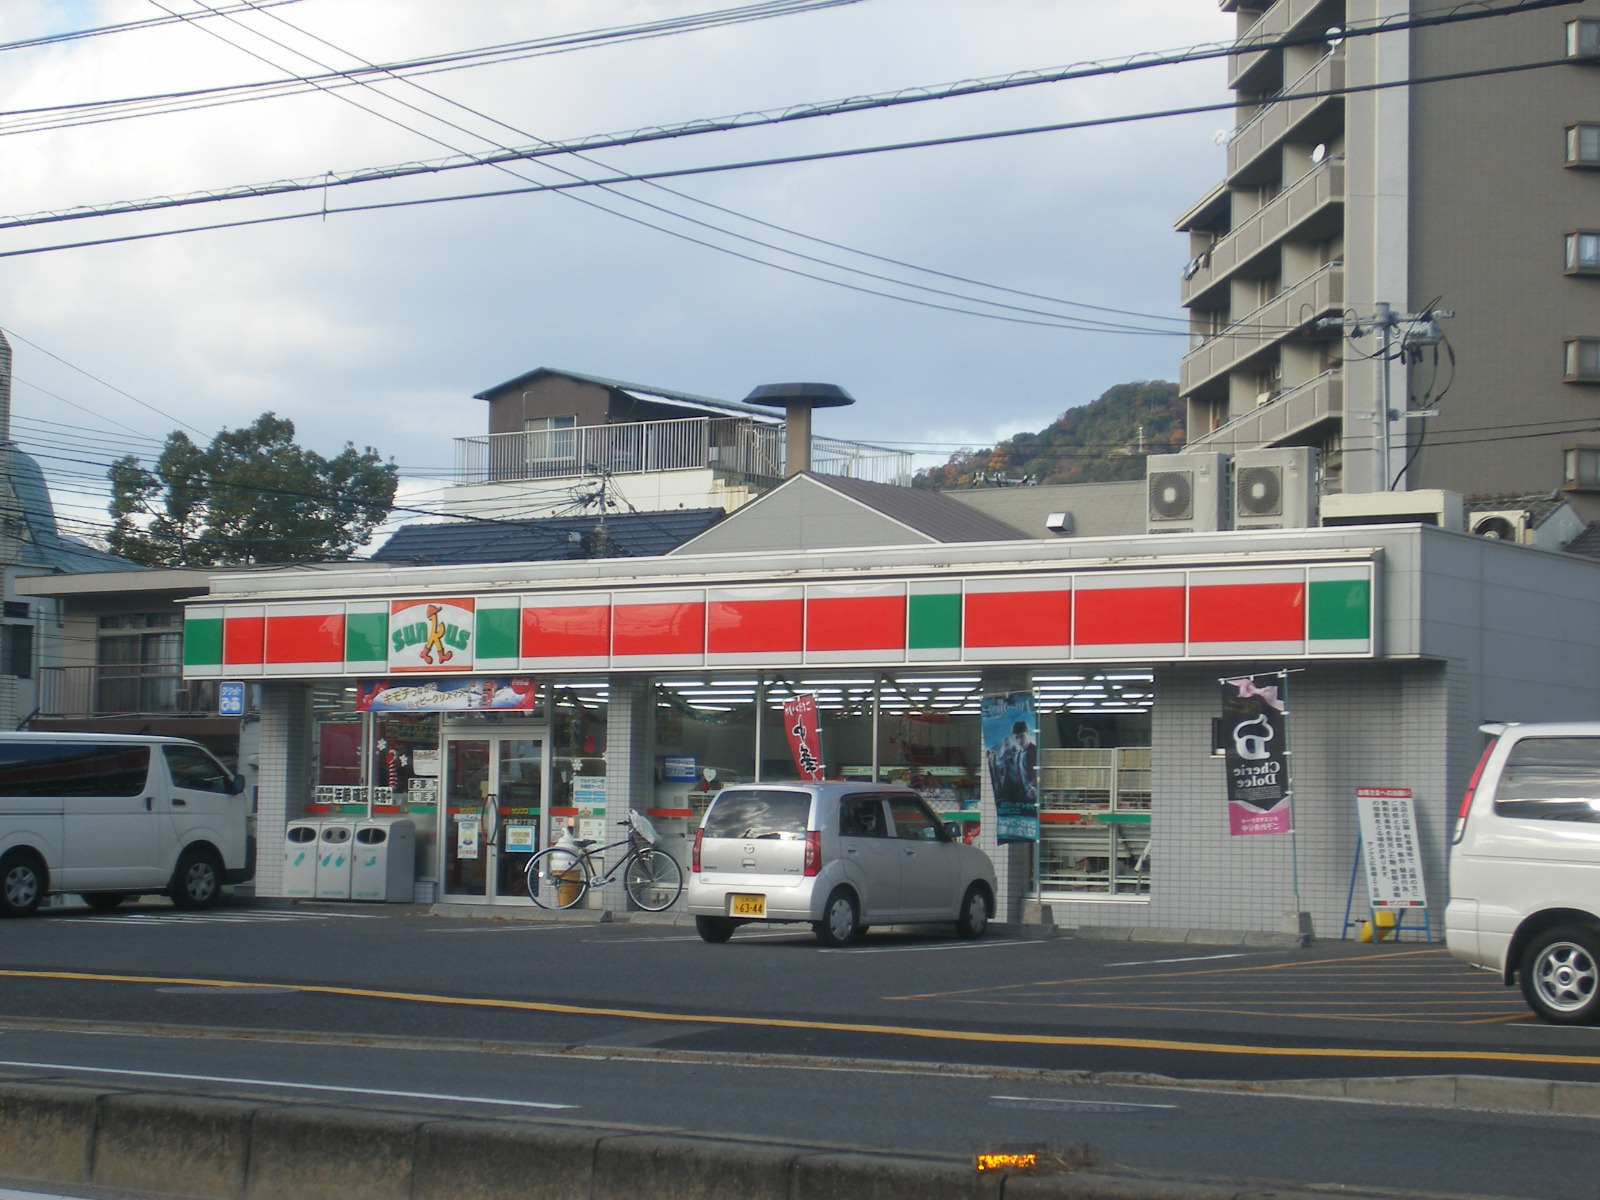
730,444
123,690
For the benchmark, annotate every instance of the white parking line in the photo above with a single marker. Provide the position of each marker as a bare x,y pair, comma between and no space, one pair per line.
932,946
1086,1106
278,1083
1161,962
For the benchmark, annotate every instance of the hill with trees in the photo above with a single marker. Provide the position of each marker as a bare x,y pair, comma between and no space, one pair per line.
1104,440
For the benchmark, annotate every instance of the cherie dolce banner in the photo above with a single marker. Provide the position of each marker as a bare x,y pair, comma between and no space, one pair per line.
805,736
1255,722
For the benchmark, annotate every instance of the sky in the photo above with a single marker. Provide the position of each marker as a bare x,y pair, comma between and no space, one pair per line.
376,328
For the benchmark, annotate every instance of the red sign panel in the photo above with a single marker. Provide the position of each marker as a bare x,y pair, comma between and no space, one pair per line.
805,742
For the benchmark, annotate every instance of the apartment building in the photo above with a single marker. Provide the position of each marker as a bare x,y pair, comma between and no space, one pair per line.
1359,175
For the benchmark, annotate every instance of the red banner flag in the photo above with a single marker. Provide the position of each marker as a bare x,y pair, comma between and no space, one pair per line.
805,739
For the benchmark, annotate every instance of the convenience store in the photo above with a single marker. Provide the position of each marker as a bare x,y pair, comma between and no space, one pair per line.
494,705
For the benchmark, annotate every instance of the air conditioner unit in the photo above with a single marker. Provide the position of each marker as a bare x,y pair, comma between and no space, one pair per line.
1507,525
1188,493
1429,506
1276,489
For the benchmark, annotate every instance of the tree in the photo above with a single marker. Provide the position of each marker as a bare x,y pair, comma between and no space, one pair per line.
251,496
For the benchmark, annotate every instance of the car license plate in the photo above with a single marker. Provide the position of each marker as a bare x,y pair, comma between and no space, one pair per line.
748,906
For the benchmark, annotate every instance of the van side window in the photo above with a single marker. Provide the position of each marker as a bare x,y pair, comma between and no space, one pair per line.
912,820
1551,779
72,769
196,770
862,816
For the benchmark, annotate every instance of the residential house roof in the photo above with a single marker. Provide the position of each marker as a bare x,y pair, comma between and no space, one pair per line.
546,539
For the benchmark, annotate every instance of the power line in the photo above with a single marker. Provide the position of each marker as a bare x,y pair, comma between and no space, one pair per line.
75,35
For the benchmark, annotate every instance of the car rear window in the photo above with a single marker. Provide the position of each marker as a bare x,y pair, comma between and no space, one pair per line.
1551,779
758,813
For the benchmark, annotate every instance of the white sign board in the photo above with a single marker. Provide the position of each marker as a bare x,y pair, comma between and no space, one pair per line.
1390,847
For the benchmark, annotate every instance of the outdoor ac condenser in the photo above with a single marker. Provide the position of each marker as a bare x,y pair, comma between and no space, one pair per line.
1188,493
1276,488
1509,525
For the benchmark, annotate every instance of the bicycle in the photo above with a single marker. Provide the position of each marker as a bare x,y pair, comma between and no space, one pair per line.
560,876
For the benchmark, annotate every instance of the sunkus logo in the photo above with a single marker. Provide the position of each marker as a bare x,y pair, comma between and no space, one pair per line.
431,635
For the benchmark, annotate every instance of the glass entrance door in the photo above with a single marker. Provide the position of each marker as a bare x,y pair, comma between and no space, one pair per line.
494,786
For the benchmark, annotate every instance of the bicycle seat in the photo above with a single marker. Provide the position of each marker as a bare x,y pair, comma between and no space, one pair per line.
585,842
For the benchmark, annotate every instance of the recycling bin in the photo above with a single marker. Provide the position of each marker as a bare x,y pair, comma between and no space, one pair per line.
300,858
334,848
384,863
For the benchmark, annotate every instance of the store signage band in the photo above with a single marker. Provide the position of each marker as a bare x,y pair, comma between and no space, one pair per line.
1294,612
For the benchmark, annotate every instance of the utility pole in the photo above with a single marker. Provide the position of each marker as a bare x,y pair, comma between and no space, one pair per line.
1420,329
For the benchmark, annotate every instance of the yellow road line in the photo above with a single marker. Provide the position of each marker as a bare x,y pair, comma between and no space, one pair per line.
911,1031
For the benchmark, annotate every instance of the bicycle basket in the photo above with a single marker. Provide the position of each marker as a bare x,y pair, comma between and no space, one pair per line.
642,826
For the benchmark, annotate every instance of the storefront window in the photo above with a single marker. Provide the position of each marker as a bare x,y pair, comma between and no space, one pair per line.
929,738
845,707
705,738
577,754
1094,782
337,783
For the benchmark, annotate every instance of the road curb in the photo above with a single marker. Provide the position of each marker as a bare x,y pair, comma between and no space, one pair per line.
208,1148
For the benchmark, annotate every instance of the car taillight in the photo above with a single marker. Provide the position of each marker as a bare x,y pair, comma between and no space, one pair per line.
813,851
1472,790
694,858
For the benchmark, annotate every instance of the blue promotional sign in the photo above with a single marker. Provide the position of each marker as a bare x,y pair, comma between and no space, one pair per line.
230,699
1011,740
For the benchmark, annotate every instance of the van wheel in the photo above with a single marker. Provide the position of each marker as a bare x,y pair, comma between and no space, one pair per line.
1560,975
103,901
198,880
21,884
974,915
841,919
715,930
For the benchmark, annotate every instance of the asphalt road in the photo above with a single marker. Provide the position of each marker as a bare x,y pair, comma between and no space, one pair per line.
408,1011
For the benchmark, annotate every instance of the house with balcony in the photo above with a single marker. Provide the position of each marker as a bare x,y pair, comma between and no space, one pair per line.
557,438
1417,167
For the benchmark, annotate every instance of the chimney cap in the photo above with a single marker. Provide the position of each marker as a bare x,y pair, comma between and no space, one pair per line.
811,395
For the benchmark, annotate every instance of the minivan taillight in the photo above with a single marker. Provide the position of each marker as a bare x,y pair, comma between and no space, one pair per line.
813,851
1472,790
694,857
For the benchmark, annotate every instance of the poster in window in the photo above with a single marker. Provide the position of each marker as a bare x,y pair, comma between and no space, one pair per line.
1011,748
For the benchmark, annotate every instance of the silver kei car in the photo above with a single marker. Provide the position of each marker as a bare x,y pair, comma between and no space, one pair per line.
838,856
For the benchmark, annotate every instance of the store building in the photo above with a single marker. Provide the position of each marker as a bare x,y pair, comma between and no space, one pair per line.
496,704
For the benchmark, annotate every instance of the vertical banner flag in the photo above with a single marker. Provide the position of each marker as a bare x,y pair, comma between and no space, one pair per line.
805,739
1255,723
1011,745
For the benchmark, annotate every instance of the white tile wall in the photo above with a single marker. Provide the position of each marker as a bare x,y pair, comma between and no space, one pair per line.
285,762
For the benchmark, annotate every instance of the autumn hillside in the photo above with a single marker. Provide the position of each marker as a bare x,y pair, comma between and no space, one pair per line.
1093,443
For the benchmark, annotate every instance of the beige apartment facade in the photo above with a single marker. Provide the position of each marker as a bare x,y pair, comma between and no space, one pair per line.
1357,175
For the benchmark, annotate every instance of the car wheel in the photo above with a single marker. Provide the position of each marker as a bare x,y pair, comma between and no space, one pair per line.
103,901
21,884
1560,975
715,930
841,919
974,917
198,880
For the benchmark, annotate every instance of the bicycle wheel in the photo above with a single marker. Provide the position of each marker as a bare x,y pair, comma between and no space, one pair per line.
557,878
653,880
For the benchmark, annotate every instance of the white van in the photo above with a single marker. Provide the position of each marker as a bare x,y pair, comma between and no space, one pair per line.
111,817
1525,867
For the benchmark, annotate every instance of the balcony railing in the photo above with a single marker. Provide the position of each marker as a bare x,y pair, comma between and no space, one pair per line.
1265,130
1272,25
124,690
1312,194
725,444
1288,313
1284,416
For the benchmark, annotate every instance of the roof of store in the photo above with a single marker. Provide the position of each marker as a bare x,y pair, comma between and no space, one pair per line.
546,539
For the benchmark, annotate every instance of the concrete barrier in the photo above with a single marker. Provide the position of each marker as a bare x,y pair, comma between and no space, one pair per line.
227,1149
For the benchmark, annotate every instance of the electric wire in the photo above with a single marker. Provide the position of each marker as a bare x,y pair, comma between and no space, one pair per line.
75,35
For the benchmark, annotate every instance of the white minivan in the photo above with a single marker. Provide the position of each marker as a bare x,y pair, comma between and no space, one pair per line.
110,817
1525,867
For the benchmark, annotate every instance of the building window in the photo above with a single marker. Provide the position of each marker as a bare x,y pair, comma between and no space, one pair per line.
1583,252
1583,146
1583,38
1581,468
16,651
551,437
1583,360
139,663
